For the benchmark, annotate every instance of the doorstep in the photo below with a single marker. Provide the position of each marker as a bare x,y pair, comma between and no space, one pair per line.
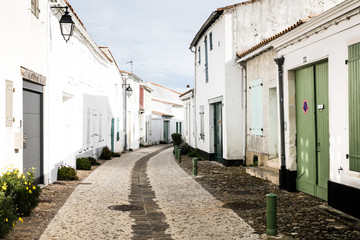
267,173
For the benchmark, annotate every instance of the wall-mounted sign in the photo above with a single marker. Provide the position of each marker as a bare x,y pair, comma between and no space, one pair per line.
305,106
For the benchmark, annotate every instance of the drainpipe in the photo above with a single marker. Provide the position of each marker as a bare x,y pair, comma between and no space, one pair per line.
244,100
283,181
194,95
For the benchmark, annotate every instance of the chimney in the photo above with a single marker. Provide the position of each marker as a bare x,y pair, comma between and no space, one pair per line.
187,87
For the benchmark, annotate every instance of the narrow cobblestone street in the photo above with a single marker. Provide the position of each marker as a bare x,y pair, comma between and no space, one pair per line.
146,194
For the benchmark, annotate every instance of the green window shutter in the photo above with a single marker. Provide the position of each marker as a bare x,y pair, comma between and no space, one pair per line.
199,56
256,106
180,128
206,61
177,127
354,107
211,41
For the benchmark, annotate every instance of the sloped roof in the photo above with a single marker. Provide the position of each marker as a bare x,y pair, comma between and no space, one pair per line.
186,92
169,103
164,87
267,40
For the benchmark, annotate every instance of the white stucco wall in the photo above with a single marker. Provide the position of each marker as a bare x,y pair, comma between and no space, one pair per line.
24,43
337,38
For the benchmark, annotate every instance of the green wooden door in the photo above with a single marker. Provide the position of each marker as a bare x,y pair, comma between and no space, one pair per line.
166,131
218,144
312,127
112,133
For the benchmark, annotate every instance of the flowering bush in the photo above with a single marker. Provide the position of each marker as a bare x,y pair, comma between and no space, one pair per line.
66,173
83,164
7,215
22,189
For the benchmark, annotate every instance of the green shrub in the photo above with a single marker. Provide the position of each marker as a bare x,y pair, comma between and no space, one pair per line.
93,161
130,150
194,153
83,164
176,137
7,215
105,154
66,173
114,154
22,189
185,148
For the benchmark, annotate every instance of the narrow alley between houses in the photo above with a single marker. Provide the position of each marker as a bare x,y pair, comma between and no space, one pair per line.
147,194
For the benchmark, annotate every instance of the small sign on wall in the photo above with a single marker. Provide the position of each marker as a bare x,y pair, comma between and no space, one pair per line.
305,106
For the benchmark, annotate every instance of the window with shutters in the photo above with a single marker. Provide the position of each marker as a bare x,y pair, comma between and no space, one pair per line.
35,7
202,133
256,88
354,107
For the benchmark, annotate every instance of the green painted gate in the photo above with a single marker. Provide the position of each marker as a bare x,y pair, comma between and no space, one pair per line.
218,143
312,127
166,131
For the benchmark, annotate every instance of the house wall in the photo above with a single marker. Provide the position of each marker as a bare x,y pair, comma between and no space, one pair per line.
263,67
24,44
337,39
263,19
215,87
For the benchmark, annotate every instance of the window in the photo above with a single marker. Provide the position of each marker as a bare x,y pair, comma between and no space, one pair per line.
35,7
211,41
256,87
199,56
202,134
206,61
354,110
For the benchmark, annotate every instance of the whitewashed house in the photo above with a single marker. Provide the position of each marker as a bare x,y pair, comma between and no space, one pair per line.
318,64
189,125
223,133
64,96
131,110
145,114
167,113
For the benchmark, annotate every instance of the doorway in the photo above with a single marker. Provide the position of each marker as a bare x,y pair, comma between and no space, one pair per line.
312,127
218,142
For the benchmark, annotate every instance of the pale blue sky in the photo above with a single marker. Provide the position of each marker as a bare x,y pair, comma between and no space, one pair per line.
154,34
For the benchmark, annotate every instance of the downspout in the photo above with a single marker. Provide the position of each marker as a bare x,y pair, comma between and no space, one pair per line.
244,92
283,177
194,96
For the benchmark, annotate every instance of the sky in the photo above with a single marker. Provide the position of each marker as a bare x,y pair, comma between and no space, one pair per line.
154,34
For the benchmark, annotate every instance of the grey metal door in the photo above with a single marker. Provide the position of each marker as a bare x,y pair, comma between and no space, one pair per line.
218,143
32,120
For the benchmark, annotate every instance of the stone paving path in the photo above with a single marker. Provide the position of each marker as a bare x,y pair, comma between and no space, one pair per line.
156,199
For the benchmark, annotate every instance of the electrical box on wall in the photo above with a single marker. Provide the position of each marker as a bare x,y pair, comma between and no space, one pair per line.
18,141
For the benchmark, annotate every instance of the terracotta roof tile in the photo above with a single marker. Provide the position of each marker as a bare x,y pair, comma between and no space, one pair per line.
186,92
267,40
164,87
162,114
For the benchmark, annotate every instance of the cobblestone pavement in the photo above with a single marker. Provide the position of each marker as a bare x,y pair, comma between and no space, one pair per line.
300,216
86,215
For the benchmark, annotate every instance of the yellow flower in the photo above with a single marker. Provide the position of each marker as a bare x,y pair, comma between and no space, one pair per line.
3,188
19,176
6,219
25,182
34,187
27,188
13,224
20,219
8,173
23,176
2,173
30,191
28,173
33,168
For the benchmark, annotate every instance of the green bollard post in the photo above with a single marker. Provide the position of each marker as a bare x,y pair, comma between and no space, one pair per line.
271,228
179,155
175,150
195,167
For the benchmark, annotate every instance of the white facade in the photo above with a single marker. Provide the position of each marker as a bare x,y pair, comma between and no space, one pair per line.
145,114
337,29
189,126
77,83
219,80
167,113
